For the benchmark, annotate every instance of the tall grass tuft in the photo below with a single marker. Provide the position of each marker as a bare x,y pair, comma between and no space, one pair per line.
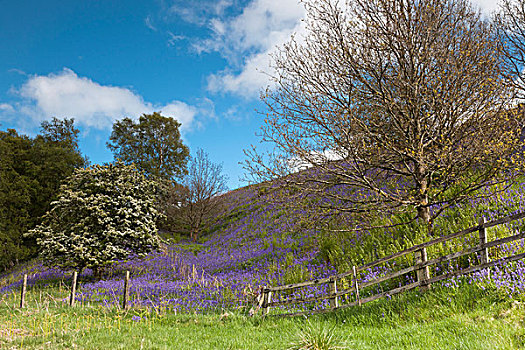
317,337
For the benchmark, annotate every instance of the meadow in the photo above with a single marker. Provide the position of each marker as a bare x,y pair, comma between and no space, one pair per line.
198,294
445,318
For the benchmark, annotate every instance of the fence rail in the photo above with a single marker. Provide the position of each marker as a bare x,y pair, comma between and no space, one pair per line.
421,267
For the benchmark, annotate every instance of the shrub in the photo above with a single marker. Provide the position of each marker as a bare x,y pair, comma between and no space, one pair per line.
103,214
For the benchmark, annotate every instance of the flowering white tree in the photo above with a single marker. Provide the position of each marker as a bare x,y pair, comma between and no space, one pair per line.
103,214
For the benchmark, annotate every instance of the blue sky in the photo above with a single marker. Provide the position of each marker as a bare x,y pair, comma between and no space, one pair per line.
202,62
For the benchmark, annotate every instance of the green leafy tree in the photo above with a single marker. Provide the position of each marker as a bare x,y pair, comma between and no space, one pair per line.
60,131
56,155
31,170
17,189
153,145
103,214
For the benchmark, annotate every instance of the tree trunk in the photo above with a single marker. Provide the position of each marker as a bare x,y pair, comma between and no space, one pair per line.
193,234
423,211
97,273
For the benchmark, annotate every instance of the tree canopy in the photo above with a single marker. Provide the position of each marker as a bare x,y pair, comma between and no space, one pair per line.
153,144
103,213
31,170
394,105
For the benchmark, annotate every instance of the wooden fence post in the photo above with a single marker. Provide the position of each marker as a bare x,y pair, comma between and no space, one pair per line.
23,293
73,289
483,240
423,274
334,301
125,303
266,301
356,285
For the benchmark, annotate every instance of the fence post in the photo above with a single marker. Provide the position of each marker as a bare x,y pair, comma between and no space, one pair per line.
267,299
73,289
483,240
23,293
334,301
125,303
423,274
356,285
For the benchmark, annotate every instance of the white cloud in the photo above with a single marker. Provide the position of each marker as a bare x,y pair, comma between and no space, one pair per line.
297,164
181,111
486,6
262,24
172,38
247,40
198,11
5,107
249,82
148,21
91,104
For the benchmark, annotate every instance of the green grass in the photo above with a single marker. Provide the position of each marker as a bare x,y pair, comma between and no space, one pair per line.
463,318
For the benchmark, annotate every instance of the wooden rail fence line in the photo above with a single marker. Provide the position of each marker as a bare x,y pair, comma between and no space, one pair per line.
421,268
126,304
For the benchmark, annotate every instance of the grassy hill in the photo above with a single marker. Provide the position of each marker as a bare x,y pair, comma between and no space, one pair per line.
198,294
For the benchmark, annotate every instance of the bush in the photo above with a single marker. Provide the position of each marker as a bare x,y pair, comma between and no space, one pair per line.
103,214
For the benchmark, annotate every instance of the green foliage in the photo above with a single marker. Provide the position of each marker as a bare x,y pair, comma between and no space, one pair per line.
60,132
330,251
31,170
193,248
343,248
286,271
153,145
103,213
295,274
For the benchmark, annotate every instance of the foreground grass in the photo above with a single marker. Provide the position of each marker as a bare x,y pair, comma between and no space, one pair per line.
463,318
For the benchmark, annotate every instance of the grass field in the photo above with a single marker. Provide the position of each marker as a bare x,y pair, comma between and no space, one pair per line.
467,317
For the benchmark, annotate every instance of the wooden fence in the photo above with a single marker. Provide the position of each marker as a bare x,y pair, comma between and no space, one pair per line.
73,291
421,266
124,300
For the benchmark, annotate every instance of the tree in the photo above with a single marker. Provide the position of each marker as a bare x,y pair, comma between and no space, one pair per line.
31,170
56,154
16,194
103,214
60,131
510,22
393,104
200,191
153,145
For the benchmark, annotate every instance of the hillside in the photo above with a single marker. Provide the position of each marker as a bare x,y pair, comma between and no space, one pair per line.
198,295
259,240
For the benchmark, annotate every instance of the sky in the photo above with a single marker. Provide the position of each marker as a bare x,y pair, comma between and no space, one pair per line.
202,62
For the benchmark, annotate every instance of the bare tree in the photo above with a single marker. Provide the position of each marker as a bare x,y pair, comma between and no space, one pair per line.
510,22
202,186
394,104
